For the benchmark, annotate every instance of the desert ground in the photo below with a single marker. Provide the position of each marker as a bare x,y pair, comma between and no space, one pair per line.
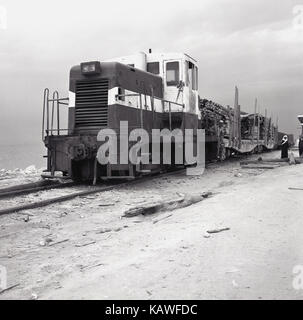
86,249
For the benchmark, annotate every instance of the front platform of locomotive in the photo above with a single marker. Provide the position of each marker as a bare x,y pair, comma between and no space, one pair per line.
101,95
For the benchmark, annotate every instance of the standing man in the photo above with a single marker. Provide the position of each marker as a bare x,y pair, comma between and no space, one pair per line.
221,145
284,147
301,146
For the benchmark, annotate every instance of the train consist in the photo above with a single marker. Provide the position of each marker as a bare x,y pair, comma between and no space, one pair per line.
229,130
146,91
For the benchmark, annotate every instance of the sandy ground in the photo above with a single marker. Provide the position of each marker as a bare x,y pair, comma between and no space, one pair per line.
85,249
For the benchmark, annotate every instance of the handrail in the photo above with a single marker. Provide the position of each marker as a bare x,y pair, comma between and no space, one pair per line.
138,94
45,106
61,99
54,100
49,119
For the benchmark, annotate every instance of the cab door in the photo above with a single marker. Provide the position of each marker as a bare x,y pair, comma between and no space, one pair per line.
173,82
191,95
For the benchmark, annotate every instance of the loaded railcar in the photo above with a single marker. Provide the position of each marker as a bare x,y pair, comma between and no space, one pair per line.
234,131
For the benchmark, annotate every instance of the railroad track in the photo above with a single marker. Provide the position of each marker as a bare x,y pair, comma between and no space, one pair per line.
46,185
32,188
14,191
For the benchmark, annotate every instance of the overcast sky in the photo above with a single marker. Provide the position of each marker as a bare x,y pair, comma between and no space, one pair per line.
249,43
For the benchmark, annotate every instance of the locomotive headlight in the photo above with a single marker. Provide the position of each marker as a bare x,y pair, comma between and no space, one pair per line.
89,68
93,67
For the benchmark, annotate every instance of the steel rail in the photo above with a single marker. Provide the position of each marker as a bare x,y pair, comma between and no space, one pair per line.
47,202
32,188
68,197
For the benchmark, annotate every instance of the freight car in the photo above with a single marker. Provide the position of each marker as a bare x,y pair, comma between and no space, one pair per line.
146,91
230,130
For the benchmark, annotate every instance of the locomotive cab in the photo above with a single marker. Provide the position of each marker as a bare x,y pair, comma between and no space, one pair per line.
179,72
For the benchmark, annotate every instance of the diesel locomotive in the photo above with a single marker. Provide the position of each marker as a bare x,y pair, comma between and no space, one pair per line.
148,91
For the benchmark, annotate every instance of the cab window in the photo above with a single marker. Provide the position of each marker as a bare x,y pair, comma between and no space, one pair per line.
172,73
153,67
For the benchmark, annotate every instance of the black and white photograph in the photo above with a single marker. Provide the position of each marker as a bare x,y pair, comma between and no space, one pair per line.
151,151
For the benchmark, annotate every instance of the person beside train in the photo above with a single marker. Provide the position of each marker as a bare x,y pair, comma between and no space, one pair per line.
221,156
284,147
301,146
